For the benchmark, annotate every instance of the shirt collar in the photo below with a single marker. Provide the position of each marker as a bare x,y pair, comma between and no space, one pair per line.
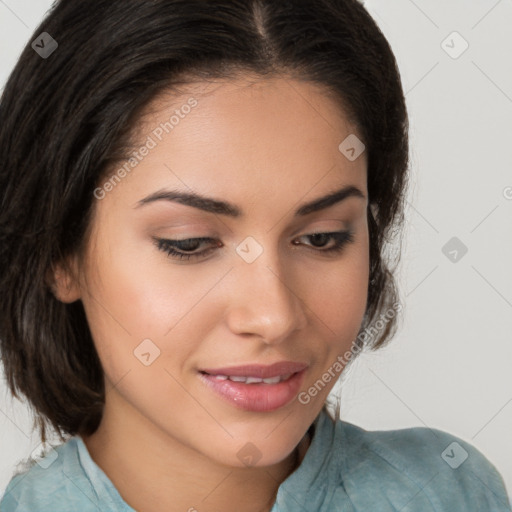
319,471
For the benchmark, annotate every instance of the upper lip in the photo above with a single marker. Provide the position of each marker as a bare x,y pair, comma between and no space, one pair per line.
258,370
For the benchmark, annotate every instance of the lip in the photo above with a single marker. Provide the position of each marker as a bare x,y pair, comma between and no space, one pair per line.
258,397
258,370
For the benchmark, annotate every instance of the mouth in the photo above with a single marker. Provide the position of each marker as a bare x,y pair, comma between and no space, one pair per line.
259,371
251,380
256,388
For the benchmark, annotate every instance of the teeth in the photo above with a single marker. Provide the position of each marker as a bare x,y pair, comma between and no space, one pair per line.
237,379
253,380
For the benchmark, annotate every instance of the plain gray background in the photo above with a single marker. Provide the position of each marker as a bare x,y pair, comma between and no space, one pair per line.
449,365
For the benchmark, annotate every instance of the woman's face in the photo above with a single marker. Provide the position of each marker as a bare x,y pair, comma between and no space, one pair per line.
259,290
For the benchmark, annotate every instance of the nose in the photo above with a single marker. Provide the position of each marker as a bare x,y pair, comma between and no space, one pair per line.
265,301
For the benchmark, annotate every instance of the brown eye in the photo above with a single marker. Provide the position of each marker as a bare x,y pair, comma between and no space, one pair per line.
320,240
185,249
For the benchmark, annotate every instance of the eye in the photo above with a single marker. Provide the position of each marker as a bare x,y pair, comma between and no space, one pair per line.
321,241
187,248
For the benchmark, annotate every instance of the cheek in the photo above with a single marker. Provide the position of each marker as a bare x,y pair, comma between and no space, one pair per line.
141,288
134,295
337,293
337,296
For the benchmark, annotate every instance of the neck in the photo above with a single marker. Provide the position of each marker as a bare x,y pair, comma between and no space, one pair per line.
156,474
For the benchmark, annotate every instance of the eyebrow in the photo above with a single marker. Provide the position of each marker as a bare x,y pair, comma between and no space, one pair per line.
212,205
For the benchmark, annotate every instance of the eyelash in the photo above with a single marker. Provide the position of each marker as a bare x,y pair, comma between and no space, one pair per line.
341,239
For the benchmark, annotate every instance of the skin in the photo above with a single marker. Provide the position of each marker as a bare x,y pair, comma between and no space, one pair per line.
166,441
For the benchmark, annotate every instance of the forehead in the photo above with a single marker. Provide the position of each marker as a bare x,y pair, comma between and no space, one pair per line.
269,137
253,105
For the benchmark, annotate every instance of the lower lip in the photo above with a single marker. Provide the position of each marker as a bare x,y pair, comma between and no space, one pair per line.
258,397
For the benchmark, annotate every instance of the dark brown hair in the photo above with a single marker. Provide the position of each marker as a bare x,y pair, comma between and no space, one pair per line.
64,119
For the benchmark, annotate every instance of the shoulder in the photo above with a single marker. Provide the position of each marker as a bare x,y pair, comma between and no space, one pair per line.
55,483
430,467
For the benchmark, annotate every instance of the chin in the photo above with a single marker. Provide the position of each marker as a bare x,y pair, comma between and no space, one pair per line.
254,453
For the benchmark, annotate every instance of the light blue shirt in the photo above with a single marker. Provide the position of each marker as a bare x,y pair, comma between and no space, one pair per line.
346,469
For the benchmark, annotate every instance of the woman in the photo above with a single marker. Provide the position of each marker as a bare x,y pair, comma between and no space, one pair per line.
196,198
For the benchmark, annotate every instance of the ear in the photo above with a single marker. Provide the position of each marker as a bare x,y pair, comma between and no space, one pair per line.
63,282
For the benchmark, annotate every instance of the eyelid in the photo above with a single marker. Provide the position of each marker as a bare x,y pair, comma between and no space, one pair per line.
341,238
321,225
